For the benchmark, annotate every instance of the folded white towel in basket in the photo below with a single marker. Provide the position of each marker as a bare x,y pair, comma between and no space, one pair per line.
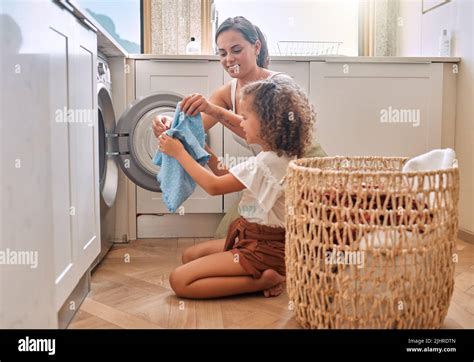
431,161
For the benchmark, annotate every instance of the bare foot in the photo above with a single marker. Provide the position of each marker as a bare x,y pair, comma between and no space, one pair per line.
275,282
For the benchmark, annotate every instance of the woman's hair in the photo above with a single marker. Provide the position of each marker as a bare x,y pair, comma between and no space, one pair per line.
251,33
285,113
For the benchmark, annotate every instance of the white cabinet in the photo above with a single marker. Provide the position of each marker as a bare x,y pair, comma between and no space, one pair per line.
50,197
83,159
26,215
73,109
183,78
383,109
299,71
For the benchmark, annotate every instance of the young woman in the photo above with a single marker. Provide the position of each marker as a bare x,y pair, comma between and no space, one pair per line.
244,55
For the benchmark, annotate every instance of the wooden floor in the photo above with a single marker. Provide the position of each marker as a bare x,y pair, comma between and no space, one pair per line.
130,289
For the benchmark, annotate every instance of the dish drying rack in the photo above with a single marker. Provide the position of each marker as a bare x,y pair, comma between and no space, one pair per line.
306,48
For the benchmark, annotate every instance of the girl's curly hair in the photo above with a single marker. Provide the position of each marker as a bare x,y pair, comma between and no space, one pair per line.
286,116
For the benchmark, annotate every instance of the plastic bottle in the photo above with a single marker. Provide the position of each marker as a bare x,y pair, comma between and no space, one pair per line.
193,47
444,44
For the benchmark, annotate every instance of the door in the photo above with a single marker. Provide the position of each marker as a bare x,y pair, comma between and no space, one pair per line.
136,142
108,169
72,47
176,79
388,109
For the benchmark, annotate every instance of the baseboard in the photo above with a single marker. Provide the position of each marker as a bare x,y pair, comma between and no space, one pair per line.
175,225
203,225
466,236
74,301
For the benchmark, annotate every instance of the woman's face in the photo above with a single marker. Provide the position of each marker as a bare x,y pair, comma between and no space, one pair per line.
250,122
237,55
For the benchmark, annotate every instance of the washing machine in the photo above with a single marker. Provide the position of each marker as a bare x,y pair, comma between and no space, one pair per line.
108,168
127,145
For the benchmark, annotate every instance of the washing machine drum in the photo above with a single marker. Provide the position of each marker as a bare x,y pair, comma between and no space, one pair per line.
108,169
137,144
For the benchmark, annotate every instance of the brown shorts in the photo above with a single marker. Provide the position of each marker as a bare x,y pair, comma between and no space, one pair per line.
259,247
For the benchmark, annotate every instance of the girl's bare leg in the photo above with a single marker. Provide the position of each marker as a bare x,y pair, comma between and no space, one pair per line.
218,275
202,249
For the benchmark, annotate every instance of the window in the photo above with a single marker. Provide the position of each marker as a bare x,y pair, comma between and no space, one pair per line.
305,23
121,18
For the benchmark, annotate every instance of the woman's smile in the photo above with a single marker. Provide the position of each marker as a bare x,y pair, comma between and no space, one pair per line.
234,68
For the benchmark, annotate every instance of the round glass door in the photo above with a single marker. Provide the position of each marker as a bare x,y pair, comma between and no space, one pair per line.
137,144
108,169
144,141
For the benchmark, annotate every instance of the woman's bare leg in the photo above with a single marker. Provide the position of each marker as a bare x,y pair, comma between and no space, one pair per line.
218,275
202,249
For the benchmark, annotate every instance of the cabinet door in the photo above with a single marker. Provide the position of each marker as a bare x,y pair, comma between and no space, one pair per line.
376,108
83,138
60,39
184,78
77,239
26,176
233,151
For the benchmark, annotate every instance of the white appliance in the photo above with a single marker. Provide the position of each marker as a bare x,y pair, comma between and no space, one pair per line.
128,144
148,216
108,168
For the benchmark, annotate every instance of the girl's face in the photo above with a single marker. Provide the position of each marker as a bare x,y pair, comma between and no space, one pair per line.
237,55
250,122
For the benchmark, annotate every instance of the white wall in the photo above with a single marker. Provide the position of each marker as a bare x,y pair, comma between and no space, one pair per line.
419,37
316,20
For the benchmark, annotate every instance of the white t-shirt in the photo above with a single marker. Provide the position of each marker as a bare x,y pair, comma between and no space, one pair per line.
263,200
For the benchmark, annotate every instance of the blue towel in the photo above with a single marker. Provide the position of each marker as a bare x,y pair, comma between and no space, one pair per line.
175,182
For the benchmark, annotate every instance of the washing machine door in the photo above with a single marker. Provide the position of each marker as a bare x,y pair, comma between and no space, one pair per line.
137,144
108,169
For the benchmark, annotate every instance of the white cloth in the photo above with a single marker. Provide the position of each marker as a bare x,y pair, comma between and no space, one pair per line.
263,200
431,161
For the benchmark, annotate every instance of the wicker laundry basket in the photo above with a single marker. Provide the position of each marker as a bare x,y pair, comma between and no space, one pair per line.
368,246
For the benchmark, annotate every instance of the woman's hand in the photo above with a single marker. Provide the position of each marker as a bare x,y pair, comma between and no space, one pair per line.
170,146
161,124
195,103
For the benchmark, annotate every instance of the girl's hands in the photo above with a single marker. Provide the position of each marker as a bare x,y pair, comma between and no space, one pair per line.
195,103
161,124
170,146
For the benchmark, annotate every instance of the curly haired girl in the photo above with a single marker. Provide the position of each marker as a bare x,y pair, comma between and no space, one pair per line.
277,116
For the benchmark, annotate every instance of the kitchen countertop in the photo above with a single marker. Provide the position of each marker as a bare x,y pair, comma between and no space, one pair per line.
329,59
108,46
